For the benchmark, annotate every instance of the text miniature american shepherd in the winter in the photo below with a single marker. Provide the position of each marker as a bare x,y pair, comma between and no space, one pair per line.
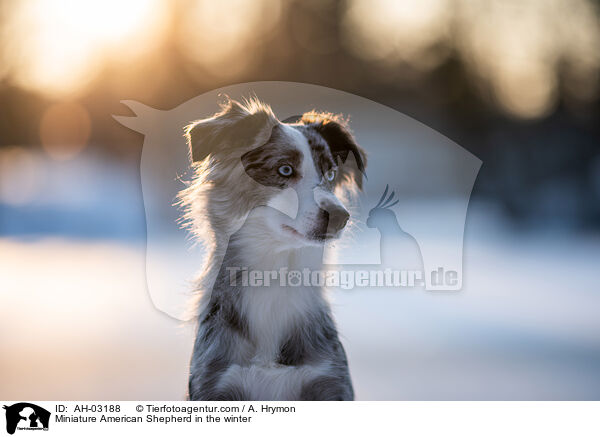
268,195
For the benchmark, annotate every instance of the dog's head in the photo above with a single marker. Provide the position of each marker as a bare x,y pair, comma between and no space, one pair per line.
288,181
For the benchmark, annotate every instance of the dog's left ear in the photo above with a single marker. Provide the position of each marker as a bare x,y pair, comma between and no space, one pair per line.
237,126
334,129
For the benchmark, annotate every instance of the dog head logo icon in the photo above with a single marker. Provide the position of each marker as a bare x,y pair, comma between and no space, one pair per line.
26,416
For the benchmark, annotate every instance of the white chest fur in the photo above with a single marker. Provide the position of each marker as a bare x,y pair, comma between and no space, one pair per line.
273,312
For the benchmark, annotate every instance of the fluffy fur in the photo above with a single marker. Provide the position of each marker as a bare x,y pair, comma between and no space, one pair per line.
269,342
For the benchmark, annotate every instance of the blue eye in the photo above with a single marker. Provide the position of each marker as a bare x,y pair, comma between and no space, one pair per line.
285,170
330,175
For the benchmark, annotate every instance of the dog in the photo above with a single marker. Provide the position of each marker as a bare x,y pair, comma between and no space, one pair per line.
267,196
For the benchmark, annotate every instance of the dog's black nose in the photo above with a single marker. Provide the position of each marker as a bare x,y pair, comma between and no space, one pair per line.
338,217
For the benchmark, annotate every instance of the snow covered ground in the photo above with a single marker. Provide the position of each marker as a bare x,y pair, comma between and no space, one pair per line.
77,322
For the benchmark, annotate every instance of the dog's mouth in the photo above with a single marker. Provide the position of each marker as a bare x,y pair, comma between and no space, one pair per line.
292,231
314,237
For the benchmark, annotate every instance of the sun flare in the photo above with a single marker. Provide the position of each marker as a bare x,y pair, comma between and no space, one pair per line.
57,47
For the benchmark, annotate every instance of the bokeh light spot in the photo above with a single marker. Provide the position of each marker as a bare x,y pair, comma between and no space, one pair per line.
64,130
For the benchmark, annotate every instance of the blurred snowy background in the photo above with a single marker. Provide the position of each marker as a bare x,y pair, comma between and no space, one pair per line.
514,82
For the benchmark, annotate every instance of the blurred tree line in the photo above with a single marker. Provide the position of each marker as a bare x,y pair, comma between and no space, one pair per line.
543,166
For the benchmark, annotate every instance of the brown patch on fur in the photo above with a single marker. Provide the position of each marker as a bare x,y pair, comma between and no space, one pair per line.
263,162
321,153
334,129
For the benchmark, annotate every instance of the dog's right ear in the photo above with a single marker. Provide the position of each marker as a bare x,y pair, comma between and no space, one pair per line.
236,126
